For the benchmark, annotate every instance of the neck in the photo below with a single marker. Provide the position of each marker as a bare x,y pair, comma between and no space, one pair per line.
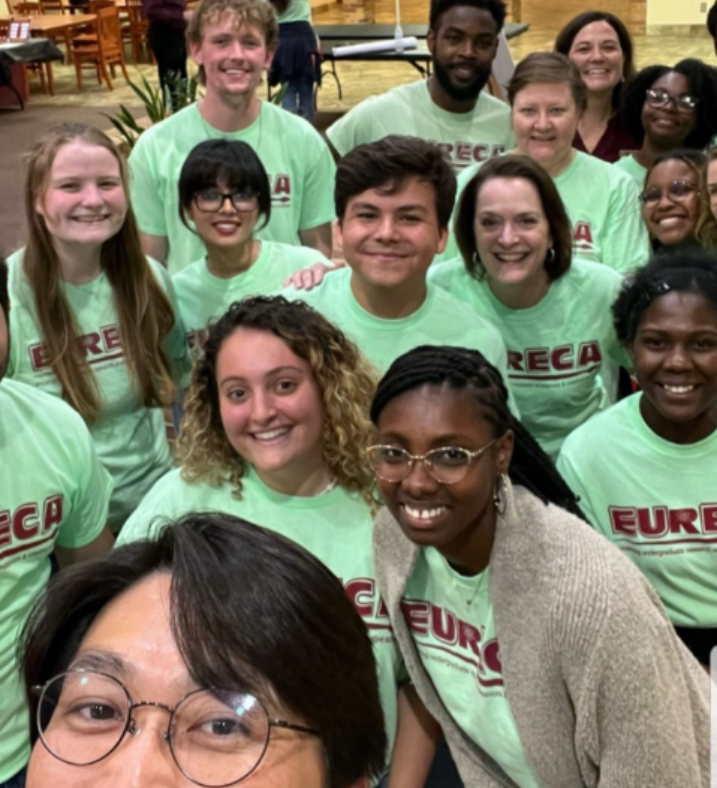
228,115
650,150
304,482
226,262
471,555
441,99
80,263
682,433
599,108
388,303
559,163
523,296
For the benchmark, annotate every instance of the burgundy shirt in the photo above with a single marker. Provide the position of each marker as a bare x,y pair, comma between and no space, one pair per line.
615,140
168,12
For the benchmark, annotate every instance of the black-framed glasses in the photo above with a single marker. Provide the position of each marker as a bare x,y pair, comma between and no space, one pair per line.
447,465
216,737
211,200
675,191
657,97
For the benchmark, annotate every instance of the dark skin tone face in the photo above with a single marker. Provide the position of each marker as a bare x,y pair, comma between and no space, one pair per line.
457,519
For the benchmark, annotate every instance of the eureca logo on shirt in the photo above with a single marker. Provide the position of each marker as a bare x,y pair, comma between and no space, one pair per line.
29,526
364,595
556,363
280,189
441,632
461,154
653,523
98,346
583,238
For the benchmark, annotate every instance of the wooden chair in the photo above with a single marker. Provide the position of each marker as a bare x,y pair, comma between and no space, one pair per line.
18,29
105,53
25,9
134,31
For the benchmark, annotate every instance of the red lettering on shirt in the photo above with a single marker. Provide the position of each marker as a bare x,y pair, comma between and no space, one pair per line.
29,525
463,152
281,188
97,346
583,233
562,361
416,615
661,521
562,357
361,591
537,359
708,514
515,360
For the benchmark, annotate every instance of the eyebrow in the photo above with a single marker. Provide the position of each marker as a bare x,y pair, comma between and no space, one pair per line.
275,371
359,206
103,662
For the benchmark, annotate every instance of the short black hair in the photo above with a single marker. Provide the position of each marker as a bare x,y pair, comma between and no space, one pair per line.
231,162
460,368
712,20
250,611
4,294
496,8
387,163
702,80
681,269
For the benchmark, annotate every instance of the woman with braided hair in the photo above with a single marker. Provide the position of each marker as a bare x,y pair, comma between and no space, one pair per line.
655,498
533,645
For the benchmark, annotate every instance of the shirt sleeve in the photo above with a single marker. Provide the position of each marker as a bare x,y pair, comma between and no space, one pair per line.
355,128
625,241
175,343
145,189
317,206
568,471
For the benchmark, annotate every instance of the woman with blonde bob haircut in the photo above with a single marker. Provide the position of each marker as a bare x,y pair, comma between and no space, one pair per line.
275,424
93,321
552,310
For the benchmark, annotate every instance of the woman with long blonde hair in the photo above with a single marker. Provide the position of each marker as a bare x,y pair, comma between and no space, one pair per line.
92,319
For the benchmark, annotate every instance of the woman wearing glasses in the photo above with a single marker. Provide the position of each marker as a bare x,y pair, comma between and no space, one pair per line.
655,498
537,648
153,667
672,199
274,428
667,108
93,321
224,193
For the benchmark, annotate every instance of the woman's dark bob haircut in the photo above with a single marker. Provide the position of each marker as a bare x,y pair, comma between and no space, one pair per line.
229,163
679,269
514,166
250,610
567,35
702,80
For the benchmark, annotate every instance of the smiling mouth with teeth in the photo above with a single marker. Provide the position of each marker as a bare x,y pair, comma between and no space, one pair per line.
677,389
270,434
424,514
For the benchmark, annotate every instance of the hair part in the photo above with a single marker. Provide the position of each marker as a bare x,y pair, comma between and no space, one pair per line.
229,162
461,368
344,378
496,8
385,165
144,313
286,631
523,167
548,68
566,37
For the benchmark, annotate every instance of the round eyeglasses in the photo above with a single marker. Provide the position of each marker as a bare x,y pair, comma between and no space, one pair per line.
211,200
447,465
216,737
675,191
658,98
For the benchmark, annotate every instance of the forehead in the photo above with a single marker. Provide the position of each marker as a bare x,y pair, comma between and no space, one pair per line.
679,311
596,31
545,92
78,157
249,351
470,20
229,21
671,170
413,191
673,82
509,194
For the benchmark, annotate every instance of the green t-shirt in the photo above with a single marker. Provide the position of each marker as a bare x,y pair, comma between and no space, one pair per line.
53,491
656,500
296,11
335,527
563,355
464,137
635,170
451,623
604,211
202,297
130,439
300,168
440,320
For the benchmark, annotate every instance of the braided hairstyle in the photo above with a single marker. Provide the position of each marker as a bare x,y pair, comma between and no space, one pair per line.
462,368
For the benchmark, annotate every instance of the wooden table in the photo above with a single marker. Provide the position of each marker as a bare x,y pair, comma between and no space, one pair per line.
54,24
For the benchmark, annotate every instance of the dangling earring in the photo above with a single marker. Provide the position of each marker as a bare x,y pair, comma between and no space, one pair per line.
480,268
500,493
550,256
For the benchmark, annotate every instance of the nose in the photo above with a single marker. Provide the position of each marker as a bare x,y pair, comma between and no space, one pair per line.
419,481
227,205
92,195
542,119
263,407
678,358
507,235
467,49
235,50
143,758
386,228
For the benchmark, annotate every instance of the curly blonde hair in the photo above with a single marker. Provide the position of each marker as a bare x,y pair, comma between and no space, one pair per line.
345,379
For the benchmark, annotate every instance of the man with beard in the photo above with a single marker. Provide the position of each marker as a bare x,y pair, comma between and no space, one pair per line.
54,495
449,108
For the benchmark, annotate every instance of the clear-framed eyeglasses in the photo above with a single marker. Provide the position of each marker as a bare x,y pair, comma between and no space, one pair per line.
447,465
658,98
676,191
216,737
212,200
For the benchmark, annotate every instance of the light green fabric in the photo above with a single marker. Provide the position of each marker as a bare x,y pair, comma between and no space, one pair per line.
635,170
54,491
300,168
655,500
335,527
202,297
563,356
604,210
130,438
296,11
408,109
451,621
440,320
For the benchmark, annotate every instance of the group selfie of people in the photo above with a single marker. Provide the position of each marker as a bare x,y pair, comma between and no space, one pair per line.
382,458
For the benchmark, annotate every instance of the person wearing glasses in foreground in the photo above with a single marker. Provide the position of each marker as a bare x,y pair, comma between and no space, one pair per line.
538,649
667,108
155,667
224,193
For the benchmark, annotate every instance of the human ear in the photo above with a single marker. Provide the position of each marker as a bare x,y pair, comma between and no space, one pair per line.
504,451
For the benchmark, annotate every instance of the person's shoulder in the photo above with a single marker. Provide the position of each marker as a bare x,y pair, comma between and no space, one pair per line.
279,121
45,406
492,105
449,304
301,254
587,274
172,126
447,272
189,275
609,426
